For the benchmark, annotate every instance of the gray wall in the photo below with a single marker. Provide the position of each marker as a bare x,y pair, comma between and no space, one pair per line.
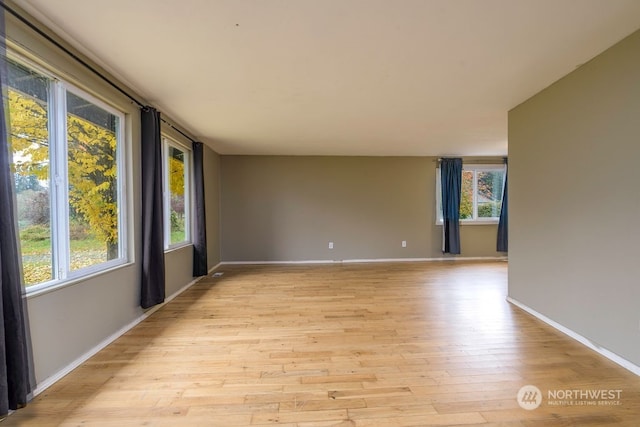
70,321
281,208
574,200
212,204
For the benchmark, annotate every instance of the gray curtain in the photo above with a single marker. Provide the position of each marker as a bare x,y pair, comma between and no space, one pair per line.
16,378
200,227
153,280
451,186
503,225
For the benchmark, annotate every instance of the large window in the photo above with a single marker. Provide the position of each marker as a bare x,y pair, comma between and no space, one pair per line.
177,200
68,175
481,196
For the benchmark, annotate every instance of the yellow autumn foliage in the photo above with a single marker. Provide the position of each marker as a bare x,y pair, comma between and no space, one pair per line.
91,164
176,173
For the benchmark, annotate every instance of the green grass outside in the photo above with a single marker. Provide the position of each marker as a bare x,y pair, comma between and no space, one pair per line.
37,257
177,236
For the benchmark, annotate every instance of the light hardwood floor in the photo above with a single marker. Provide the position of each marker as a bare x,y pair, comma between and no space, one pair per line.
406,344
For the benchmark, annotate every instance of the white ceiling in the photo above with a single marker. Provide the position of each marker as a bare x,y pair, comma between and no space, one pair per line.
341,77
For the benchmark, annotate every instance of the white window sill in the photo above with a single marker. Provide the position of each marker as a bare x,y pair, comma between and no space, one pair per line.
37,290
177,247
482,222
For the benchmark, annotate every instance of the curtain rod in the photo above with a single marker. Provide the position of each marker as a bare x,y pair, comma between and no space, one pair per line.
68,52
84,63
178,130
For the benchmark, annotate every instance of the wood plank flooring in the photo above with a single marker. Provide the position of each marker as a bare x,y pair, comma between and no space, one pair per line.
406,344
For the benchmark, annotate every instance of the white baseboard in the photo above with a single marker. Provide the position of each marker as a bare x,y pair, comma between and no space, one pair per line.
356,261
581,339
48,382
214,268
317,261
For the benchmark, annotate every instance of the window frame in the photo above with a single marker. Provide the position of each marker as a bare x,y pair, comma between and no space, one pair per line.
475,168
58,180
121,200
169,142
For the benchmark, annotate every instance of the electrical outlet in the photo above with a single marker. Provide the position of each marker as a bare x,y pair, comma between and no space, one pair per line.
330,245
404,243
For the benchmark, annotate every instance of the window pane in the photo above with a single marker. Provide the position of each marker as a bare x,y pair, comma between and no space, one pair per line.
177,195
489,194
28,102
466,199
93,188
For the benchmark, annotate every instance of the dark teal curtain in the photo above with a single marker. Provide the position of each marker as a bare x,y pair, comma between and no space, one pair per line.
153,281
451,186
199,217
16,378
503,225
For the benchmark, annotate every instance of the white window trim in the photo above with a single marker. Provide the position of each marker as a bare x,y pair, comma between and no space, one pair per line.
166,194
471,167
58,191
121,183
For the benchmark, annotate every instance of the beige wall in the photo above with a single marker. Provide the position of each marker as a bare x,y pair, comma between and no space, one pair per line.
281,208
574,200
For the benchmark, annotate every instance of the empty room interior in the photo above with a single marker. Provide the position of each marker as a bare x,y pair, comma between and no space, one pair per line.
320,213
